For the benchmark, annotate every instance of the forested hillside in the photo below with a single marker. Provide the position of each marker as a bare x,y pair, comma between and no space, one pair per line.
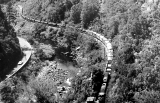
132,26
135,37
10,51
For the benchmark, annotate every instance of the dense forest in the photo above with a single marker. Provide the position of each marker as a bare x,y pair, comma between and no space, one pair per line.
132,26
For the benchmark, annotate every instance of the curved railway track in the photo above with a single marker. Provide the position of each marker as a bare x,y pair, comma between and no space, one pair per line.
98,37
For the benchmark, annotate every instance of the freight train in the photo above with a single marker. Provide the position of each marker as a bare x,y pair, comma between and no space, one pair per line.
109,55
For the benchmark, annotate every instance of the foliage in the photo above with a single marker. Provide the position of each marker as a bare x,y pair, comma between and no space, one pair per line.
75,13
10,51
44,90
74,2
49,10
44,86
147,96
4,1
7,96
135,53
82,87
135,39
58,14
47,51
89,12
11,12
11,90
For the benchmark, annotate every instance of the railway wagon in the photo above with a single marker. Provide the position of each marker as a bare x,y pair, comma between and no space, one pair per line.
109,55
92,34
109,63
109,46
91,100
34,20
105,78
46,22
101,95
102,90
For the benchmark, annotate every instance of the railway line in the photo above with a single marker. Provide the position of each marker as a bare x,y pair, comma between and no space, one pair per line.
108,54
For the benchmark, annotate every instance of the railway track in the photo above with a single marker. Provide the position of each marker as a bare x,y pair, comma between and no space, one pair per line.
98,37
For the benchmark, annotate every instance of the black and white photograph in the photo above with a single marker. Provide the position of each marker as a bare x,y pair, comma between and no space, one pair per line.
79,51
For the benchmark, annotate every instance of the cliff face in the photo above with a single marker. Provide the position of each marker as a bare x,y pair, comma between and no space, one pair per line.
10,51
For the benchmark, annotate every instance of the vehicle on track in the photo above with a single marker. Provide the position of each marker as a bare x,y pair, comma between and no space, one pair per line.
90,100
20,62
105,78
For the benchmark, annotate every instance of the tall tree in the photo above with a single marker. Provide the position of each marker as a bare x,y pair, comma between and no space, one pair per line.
89,12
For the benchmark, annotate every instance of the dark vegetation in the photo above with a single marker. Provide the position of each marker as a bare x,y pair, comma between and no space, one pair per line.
135,39
4,1
10,51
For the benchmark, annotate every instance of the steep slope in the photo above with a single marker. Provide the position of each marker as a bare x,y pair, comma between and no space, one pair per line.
10,51
52,10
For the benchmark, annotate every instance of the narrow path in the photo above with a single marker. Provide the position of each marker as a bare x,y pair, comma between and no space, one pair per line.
27,54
